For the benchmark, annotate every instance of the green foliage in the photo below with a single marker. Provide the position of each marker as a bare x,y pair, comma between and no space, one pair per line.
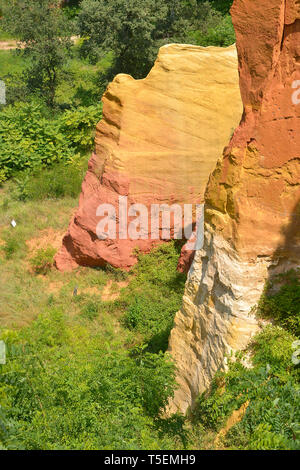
78,126
58,182
221,5
215,31
12,246
118,274
29,140
271,386
43,28
283,305
134,30
127,27
155,294
90,310
80,86
42,261
63,388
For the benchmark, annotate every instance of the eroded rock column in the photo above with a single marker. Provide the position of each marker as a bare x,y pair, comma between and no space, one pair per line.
157,143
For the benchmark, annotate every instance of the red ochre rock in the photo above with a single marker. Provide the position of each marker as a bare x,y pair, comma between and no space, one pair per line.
252,201
157,143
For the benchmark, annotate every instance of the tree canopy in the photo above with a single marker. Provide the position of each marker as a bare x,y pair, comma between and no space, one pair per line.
134,30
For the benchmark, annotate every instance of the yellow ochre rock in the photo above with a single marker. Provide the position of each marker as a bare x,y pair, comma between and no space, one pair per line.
158,141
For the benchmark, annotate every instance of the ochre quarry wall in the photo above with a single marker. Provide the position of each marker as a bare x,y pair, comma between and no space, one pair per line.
158,141
252,211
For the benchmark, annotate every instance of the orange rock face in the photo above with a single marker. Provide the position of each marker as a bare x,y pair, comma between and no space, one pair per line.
253,196
252,201
157,143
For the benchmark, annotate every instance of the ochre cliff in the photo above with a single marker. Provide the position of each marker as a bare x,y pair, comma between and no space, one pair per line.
251,203
158,141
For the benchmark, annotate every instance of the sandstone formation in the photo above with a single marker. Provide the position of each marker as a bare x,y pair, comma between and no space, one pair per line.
251,202
158,141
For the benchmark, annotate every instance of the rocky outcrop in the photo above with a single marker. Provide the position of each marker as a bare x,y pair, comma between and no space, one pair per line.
158,141
251,203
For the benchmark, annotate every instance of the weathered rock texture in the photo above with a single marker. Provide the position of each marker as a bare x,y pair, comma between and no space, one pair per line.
158,141
251,202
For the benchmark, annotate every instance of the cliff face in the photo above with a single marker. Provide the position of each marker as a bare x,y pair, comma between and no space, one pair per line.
251,202
158,141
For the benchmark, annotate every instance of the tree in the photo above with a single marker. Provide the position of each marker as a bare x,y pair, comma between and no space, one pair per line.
41,29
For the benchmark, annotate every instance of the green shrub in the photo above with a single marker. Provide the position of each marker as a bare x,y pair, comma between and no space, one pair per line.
54,183
13,244
219,33
154,295
118,274
272,389
79,126
90,311
42,261
3,176
30,140
64,388
283,306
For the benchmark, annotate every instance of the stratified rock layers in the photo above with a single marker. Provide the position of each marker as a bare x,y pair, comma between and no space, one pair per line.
158,141
251,202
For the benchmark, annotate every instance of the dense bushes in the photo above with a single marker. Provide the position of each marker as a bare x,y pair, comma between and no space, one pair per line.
214,33
30,140
63,180
271,391
42,261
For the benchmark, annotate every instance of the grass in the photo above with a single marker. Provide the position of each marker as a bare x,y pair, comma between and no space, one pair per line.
24,294
80,83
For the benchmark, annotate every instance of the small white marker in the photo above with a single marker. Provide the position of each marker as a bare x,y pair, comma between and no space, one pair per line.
13,223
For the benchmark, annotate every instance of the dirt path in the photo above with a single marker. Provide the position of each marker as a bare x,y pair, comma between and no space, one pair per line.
12,44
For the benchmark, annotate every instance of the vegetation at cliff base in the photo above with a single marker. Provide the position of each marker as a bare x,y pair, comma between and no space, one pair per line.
263,381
